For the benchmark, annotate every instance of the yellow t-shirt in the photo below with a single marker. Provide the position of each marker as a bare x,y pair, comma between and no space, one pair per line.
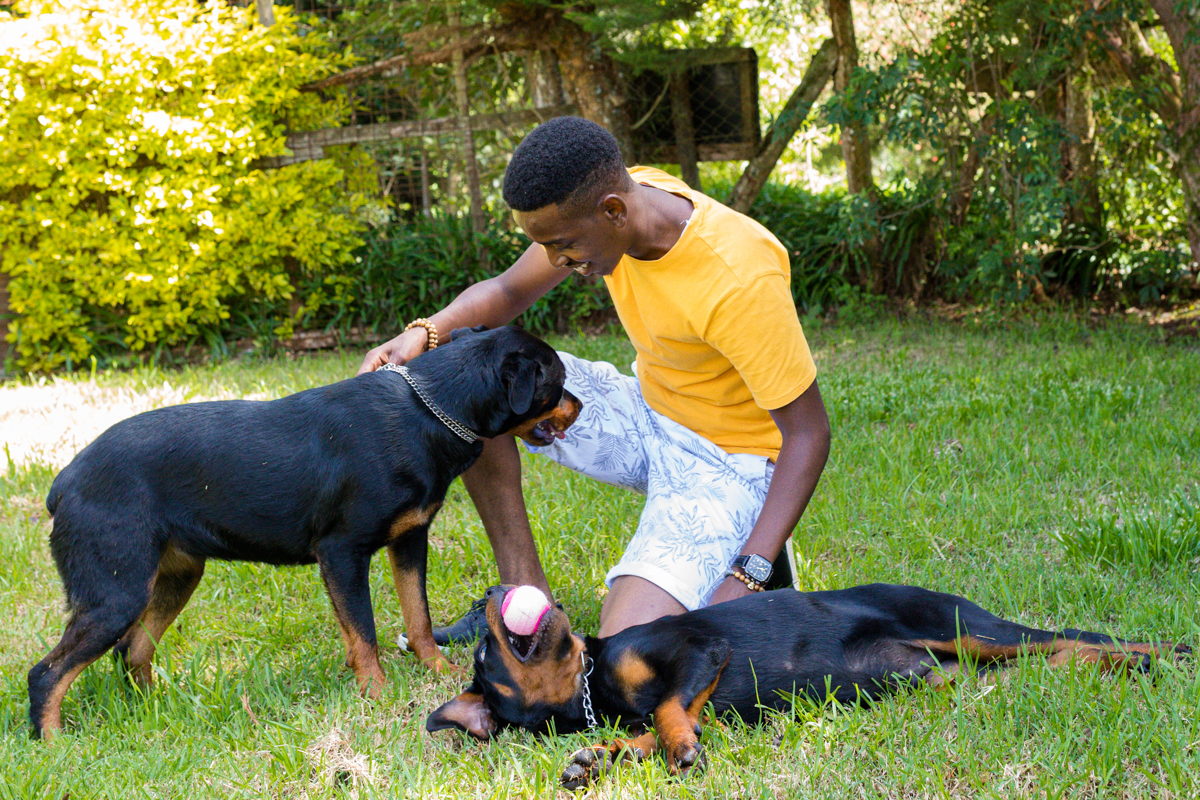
716,332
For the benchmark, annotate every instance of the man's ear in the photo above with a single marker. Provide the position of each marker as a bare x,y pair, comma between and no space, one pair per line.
519,375
467,712
457,332
615,209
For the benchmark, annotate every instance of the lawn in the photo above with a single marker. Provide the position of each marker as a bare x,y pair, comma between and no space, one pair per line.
1044,467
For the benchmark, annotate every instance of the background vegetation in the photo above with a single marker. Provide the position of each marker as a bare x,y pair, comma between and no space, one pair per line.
995,457
999,152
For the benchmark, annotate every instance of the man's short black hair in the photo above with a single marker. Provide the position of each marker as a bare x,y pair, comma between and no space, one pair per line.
567,160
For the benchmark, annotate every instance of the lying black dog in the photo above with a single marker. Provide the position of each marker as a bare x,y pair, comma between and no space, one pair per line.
328,475
743,656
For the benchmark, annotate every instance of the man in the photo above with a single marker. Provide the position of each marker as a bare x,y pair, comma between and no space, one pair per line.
723,428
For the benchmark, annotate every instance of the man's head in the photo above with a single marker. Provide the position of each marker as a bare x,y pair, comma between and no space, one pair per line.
566,184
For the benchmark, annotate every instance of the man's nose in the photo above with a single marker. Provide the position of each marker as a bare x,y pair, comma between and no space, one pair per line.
557,259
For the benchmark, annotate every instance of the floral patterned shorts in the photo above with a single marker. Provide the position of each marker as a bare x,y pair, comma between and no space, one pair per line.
701,502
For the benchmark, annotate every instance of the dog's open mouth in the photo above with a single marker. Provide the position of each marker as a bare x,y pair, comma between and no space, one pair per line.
546,431
524,646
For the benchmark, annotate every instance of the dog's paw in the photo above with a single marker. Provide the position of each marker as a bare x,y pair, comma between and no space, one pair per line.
685,758
592,762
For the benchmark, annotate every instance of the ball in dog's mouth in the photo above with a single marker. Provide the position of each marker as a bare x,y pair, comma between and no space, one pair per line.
523,611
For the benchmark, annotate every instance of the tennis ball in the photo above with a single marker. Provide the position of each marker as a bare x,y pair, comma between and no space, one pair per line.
523,609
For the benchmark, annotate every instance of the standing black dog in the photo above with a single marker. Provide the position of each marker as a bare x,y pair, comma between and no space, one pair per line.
743,656
328,475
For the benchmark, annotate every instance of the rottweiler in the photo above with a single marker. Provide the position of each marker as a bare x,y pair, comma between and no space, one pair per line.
854,645
325,476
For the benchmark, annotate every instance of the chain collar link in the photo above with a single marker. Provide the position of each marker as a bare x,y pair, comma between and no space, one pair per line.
588,666
450,422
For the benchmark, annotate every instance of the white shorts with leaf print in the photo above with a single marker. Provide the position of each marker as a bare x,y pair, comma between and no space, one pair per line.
701,501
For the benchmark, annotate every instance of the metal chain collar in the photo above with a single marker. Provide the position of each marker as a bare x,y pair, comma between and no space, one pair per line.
450,422
587,691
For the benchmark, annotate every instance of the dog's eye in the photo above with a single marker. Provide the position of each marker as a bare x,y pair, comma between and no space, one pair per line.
482,654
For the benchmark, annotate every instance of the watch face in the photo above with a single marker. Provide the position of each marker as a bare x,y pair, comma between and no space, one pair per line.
757,568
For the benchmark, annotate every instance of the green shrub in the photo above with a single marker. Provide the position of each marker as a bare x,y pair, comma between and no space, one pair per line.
132,212
412,268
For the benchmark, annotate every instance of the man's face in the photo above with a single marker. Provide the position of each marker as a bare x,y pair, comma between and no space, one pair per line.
590,244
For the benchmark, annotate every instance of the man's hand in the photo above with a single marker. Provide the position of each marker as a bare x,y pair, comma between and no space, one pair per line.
400,350
730,589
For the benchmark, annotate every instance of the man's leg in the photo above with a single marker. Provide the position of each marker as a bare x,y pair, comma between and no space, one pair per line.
494,483
631,601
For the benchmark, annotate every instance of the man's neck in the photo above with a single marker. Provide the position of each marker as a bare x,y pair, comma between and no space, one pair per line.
662,218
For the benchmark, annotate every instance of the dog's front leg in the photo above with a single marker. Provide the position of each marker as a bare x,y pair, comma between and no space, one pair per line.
592,762
677,717
408,554
345,574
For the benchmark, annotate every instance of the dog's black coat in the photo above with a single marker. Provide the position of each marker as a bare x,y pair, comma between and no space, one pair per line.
328,476
745,656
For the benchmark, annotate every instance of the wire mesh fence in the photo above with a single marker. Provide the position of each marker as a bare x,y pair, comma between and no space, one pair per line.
439,135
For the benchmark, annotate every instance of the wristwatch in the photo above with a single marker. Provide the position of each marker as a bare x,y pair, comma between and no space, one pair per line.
752,570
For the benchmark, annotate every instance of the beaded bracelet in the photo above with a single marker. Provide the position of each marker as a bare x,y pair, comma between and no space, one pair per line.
431,334
752,584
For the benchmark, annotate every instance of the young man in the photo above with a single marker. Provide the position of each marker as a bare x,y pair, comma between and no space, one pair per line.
723,428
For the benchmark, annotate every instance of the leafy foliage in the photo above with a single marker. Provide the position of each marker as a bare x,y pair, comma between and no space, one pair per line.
411,268
980,113
132,208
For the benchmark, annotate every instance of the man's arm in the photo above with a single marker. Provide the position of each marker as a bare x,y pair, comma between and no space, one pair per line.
494,480
805,428
492,302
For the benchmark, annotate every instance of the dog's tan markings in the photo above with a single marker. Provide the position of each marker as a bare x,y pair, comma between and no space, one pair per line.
362,657
632,673
413,518
415,609
170,589
551,680
678,727
51,717
1112,656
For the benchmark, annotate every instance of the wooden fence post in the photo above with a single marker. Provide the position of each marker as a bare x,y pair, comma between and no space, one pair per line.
478,222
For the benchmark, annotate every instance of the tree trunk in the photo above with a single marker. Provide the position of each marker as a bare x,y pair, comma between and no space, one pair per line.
1084,210
592,77
685,134
467,139
545,81
780,134
1181,21
856,146
1174,95
856,142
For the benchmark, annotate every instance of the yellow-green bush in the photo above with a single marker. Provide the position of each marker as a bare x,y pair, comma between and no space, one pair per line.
131,205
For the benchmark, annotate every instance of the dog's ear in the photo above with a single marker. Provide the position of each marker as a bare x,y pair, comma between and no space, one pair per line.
457,332
519,375
467,712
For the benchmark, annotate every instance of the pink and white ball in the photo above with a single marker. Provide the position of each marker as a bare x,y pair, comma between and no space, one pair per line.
523,608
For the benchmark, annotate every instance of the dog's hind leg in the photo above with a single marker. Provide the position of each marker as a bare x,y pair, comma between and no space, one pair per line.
88,635
345,574
107,589
177,577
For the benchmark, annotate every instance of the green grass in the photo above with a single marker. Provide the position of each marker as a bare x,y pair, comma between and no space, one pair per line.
1007,460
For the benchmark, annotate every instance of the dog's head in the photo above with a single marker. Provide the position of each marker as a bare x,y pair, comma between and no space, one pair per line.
522,378
519,680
